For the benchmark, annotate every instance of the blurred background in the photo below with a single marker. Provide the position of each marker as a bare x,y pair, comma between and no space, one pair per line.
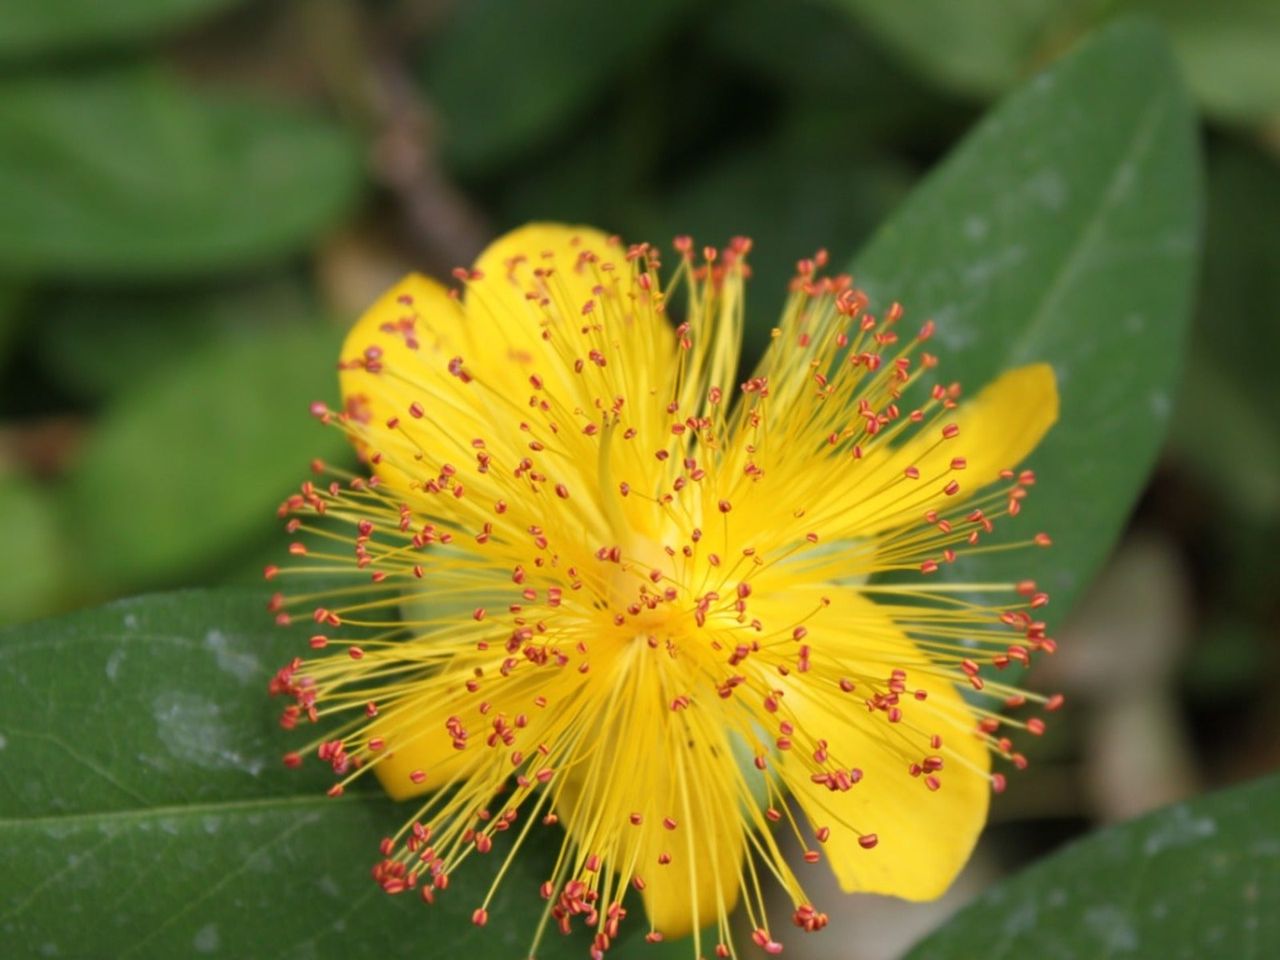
197,196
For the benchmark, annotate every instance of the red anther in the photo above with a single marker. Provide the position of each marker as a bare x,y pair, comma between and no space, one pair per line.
1054,702
484,843
933,783
318,642
868,840
562,491
292,759
480,917
335,790
669,822
998,783
950,430
725,506
1042,540
1035,726
355,653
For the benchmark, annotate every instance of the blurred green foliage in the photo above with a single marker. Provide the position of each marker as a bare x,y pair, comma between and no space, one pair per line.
196,196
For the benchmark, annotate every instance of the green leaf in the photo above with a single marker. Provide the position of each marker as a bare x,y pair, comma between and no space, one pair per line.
191,463
125,171
508,74
980,47
31,570
1064,228
144,811
1200,879
99,341
1230,51
54,26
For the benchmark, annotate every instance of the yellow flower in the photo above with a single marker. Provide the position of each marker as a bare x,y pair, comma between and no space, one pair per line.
604,584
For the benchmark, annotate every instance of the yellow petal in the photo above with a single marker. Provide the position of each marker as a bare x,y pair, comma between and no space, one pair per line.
1000,427
398,355
538,261
924,836
418,755
997,430
688,815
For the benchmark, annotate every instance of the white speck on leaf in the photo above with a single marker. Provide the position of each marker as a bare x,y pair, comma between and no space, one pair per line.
193,730
1020,920
113,664
1178,830
1160,404
1112,928
245,667
206,939
1048,187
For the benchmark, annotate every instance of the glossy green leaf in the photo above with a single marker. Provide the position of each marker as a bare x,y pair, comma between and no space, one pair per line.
1200,879
52,26
125,171
1065,228
144,811
189,464
508,74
